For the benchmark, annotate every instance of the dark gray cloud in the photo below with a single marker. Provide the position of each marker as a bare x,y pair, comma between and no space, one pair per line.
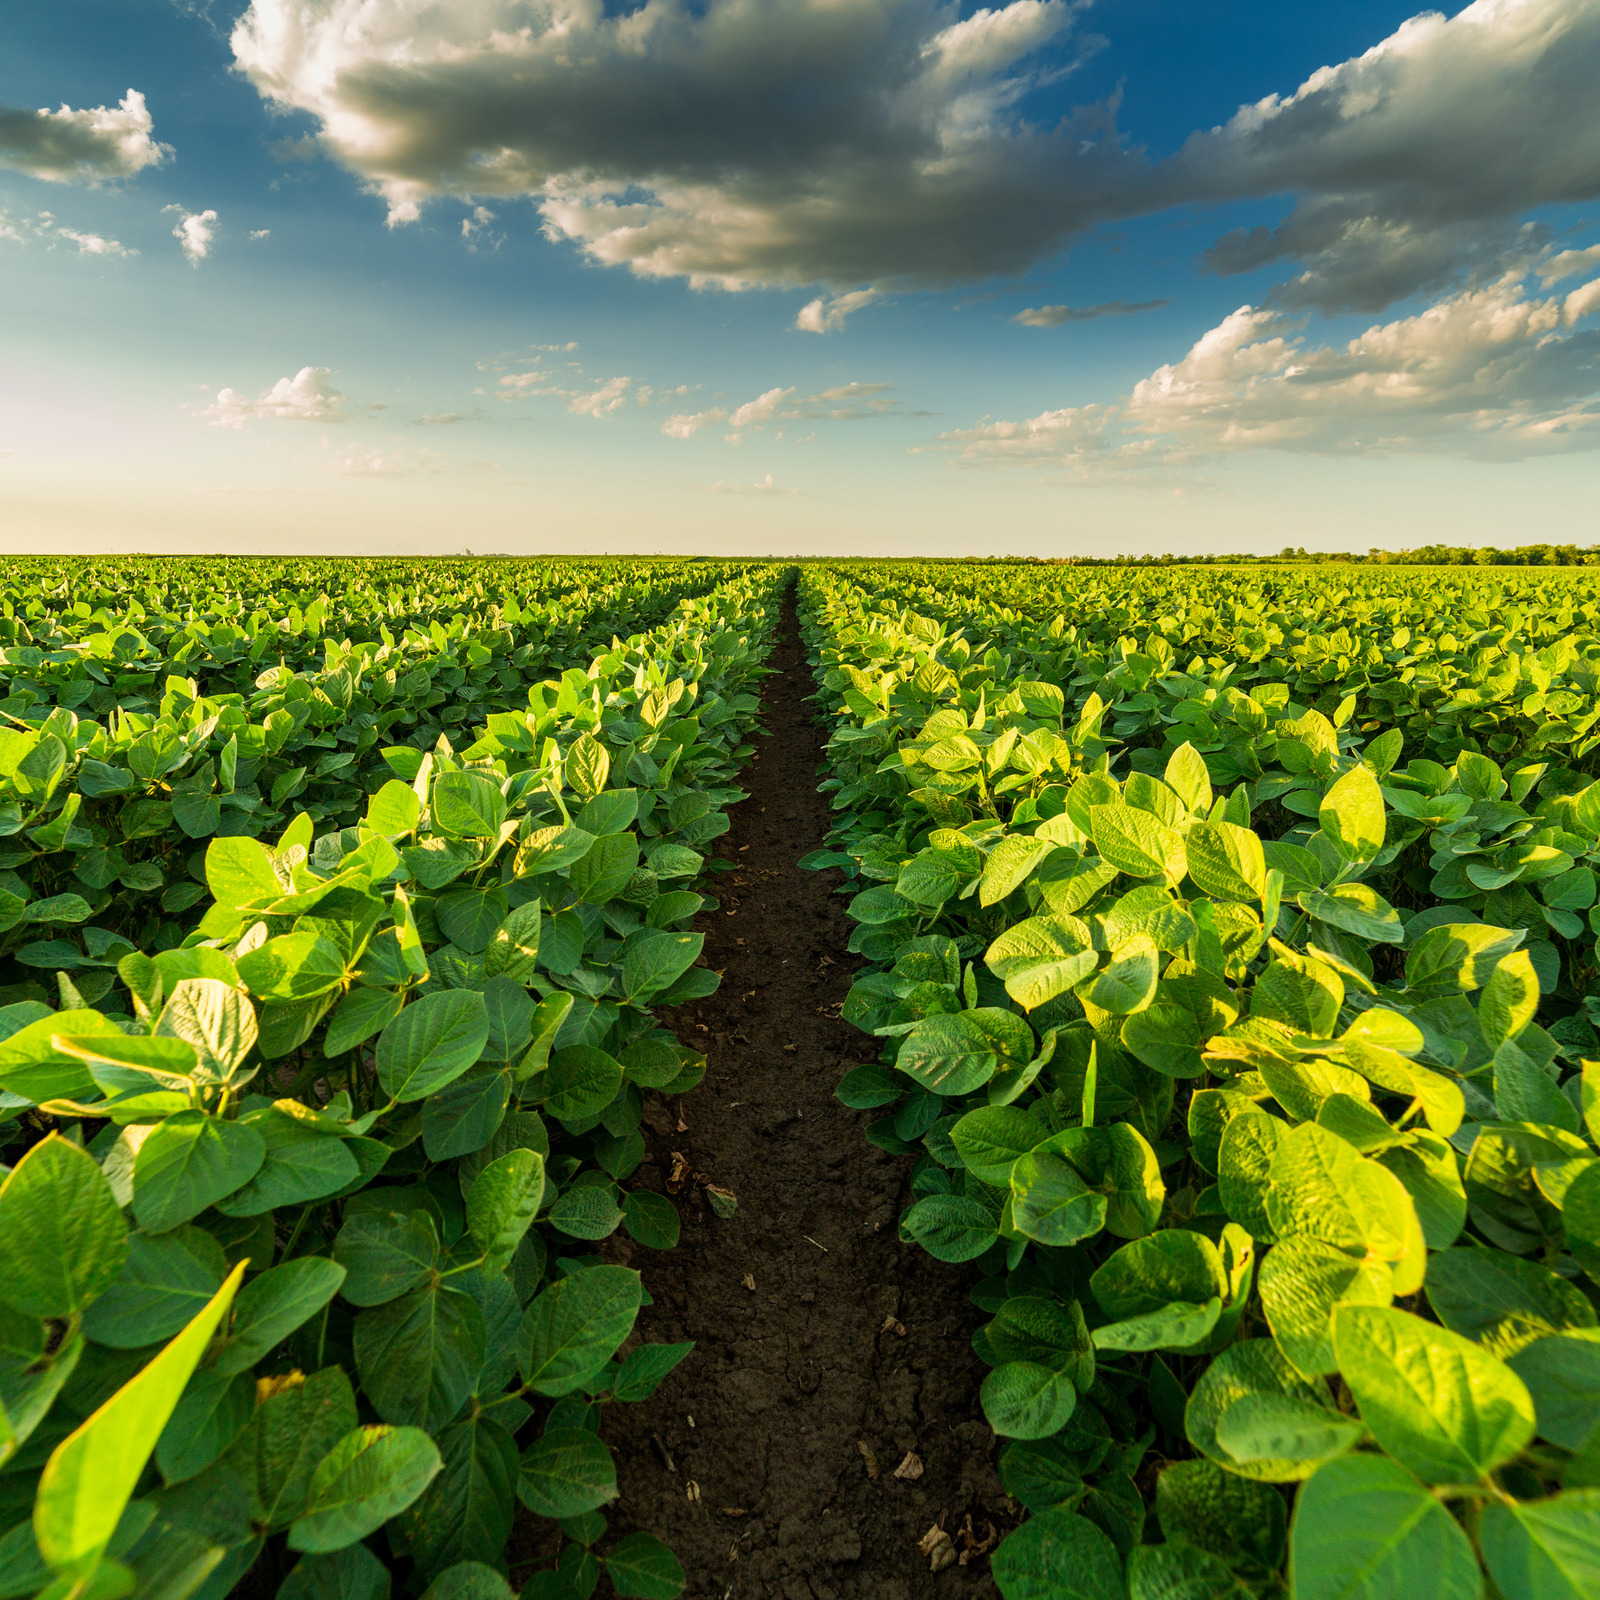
882,143
88,146
1055,316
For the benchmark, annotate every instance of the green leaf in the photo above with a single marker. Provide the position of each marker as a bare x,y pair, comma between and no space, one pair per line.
213,1412
93,1471
587,764
239,872
1128,982
1241,1521
1300,1282
1562,1373
644,1368
513,951
990,1139
655,960
1440,1405
950,1227
651,1219
294,966
167,1279
295,1427
642,1568
300,1165
1546,1549
948,1055
605,868
1174,1265
467,805
466,1513
566,1472
385,1254
472,1580
1009,864
1456,957
590,1211
1226,862
273,1304
1023,1400
62,1238
1058,1555
1134,842
1364,1527
1351,815
431,1043
571,1330
462,1116
419,1356
1050,1203
1188,778
188,1162
581,1081
1354,908
1040,958
1274,1427
1180,1572
1252,1367
353,1573
215,1018
369,1476
394,810
502,1203
1502,1301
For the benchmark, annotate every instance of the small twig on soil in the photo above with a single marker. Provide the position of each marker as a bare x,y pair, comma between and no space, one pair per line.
809,1240
663,1453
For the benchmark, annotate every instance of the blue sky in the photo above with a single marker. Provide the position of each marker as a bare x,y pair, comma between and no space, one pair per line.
746,275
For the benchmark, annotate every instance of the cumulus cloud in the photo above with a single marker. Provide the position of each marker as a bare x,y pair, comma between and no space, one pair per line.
828,315
88,146
1054,316
787,143
611,396
194,232
765,486
846,402
45,228
686,424
1492,373
884,142
306,397
1413,159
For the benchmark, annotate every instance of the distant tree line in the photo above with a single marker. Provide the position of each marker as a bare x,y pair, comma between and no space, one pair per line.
1428,555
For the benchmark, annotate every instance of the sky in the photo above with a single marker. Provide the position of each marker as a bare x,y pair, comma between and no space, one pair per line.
797,277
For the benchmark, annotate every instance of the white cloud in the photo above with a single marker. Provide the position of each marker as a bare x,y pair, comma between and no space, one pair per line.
765,486
1055,316
88,146
601,402
828,315
45,228
194,232
1491,373
685,424
762,409
306,397
474,226
261,233
1413,158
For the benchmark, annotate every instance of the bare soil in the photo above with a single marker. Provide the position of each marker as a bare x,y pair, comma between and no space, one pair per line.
828,1417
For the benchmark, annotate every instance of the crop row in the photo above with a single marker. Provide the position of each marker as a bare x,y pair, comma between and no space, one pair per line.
317,1297
1252,1068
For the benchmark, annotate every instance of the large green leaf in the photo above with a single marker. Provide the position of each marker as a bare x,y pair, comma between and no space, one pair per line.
1439,1404
419,1355
431,1043
369,1476
571,1330
188,1162
93,1471
1365,1529
62,1238
1057,1555
1546,1550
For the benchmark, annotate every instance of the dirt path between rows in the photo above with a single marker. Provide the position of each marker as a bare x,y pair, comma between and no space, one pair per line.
819,1337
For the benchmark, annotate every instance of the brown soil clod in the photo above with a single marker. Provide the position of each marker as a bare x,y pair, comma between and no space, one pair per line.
787,1387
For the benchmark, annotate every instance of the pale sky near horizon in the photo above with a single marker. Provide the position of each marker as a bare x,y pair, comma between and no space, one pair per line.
797,276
